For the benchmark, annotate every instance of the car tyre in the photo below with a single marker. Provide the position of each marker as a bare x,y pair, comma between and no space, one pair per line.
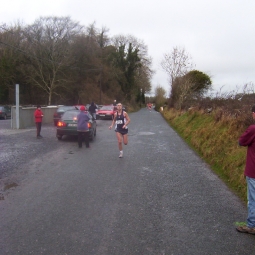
59,137
92,136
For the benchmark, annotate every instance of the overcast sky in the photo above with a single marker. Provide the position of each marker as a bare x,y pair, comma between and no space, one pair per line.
218,34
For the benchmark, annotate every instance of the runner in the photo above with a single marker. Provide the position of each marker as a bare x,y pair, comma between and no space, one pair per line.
121,120
149,105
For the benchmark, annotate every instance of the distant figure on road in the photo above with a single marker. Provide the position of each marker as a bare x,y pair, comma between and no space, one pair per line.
82,127
121,120
115,105
38,121
92,109
248,139
149,105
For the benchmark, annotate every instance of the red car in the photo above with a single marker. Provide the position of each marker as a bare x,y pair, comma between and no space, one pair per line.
106,112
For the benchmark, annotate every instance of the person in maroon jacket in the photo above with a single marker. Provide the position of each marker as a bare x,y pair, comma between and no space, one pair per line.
38,121
82,126
248,139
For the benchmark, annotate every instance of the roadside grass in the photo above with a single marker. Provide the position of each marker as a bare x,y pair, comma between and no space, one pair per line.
240,224
216,141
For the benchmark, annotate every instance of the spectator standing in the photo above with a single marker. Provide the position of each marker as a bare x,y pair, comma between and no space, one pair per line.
82,127
92,109
38,121
121,120
248,139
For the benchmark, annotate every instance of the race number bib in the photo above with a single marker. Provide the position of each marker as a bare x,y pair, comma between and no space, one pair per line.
119,122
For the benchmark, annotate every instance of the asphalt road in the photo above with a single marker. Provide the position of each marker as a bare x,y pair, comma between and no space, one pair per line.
159,199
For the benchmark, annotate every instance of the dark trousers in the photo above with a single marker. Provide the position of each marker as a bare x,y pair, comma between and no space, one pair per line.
81,136
38,128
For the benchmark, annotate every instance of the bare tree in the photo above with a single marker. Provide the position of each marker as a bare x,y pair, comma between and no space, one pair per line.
177,63
48,41
182,89
102,37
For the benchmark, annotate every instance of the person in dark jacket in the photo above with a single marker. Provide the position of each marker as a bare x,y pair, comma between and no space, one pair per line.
92,109
248,139
38,114
82,127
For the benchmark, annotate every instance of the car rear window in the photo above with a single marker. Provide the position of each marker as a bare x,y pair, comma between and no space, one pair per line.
65,108
70,115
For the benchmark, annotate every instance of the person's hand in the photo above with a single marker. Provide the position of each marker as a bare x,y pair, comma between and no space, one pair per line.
110,127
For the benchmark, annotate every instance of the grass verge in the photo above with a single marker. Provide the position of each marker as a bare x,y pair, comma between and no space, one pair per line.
216,141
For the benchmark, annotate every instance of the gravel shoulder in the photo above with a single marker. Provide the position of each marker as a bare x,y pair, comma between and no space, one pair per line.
18,148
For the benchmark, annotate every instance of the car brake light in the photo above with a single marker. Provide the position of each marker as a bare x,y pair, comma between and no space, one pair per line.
61,124
89,125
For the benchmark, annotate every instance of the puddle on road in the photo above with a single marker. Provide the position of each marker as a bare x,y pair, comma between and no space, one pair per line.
10,185
7,187
146,133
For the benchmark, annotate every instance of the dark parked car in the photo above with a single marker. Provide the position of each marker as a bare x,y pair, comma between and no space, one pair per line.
60,111
68,125
5,111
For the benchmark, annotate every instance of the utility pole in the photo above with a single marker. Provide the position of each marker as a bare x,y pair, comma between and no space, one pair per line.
17,106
